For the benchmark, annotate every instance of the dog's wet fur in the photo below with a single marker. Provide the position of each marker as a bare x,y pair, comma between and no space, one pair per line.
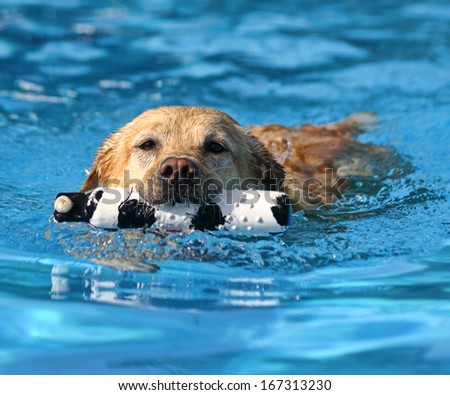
192,153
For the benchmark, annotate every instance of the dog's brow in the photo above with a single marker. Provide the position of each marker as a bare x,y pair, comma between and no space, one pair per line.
215,136
211,135
149,135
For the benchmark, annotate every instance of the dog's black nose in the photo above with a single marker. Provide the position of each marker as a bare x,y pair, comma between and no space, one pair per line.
176,169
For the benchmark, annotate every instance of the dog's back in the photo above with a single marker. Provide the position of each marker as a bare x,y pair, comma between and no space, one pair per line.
317,159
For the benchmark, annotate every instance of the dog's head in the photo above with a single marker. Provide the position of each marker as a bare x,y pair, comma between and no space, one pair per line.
183,154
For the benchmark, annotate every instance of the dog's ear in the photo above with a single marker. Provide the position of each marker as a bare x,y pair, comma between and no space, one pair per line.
263,165
91,181
103,163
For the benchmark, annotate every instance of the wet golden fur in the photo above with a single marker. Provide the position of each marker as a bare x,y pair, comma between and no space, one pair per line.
274,156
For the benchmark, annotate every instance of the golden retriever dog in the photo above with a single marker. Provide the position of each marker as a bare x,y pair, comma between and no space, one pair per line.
192,153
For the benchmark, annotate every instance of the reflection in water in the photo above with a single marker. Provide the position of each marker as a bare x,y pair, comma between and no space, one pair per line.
176,287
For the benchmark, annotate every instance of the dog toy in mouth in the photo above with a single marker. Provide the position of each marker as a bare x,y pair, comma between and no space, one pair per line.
248,213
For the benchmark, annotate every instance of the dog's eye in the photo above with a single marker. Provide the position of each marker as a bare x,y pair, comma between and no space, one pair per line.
148,145
216,147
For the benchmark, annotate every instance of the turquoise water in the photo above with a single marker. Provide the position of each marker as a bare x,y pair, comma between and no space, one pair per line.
362,287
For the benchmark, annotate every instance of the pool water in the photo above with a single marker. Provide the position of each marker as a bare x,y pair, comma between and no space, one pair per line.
359,287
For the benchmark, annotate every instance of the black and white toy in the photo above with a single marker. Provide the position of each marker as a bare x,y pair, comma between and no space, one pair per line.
244,213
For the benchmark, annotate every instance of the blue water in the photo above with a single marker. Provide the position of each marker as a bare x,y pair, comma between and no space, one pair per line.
360,287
